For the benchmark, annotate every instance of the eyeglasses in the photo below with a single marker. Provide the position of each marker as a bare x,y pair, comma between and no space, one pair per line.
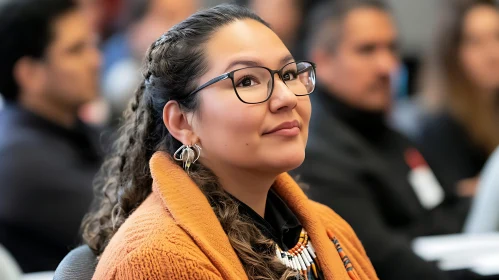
255,84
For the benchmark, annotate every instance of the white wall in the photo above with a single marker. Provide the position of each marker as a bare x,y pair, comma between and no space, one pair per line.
416,20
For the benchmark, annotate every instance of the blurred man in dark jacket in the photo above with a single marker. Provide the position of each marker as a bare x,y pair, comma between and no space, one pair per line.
48,69
371,175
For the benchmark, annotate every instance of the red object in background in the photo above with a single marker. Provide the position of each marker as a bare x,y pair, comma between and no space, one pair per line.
112,9
414,158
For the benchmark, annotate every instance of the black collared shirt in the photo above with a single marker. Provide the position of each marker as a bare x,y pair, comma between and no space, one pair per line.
279,224
369,124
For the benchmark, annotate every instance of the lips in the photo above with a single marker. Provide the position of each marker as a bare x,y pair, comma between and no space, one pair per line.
288,128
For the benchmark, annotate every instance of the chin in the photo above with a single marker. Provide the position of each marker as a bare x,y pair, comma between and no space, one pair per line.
285,162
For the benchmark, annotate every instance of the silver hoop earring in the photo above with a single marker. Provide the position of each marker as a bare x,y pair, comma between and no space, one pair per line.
187,155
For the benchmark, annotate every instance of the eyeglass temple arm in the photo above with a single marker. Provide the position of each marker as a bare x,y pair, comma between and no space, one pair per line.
211,82
306,69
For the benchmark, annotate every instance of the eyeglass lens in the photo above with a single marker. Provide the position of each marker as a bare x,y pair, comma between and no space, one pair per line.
254,84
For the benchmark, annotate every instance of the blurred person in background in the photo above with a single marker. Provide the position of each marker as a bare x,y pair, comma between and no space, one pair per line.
286,18
371,175
123,52
462,93
102,14
49,68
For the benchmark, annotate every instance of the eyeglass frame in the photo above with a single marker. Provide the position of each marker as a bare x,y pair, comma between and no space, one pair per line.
272,72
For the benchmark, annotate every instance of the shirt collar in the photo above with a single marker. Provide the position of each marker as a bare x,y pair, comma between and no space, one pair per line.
370,124
279,224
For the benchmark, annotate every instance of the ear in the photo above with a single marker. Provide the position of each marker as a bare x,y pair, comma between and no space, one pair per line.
176,121
29,75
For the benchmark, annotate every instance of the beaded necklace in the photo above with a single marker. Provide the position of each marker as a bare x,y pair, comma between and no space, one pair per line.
302,257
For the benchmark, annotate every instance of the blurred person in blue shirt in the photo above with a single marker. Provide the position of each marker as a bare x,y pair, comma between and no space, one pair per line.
49,68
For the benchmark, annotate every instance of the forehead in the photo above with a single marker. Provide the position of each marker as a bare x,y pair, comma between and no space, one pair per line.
481,17
369,24
245,39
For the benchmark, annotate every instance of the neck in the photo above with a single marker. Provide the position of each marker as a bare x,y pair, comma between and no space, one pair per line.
65,117
246,185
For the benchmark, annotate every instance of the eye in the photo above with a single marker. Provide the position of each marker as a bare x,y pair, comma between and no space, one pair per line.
247,81
289,75
366,49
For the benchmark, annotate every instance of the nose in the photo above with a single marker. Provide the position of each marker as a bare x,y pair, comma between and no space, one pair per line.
282,99
95,58
387,62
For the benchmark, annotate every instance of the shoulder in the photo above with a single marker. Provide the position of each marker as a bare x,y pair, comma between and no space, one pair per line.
19,135
20,154
24,151
336,224
439,125
331,220
150,245
332,142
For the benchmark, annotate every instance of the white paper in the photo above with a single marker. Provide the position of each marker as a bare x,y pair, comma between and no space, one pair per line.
477,252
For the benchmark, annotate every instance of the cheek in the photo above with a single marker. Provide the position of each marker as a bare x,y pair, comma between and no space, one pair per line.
472,62
304,109
65,76
350,77
229,129
350,68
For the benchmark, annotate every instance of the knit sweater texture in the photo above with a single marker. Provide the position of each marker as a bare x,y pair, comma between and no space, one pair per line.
174,234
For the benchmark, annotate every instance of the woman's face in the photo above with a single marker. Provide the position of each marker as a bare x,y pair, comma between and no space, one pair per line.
479,51
232,133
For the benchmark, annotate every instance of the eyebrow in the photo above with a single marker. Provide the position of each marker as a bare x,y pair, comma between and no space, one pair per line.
251,63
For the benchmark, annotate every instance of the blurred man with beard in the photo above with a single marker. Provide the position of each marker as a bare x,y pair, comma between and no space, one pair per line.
371,175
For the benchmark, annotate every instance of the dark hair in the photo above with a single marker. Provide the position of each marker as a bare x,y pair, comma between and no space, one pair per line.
26,31
326,18
173,66
247,3
447,87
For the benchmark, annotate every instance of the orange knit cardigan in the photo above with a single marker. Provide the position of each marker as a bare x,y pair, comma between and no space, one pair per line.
174,234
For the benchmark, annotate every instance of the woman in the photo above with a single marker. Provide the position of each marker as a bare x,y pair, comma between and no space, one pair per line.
464,131
218,129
